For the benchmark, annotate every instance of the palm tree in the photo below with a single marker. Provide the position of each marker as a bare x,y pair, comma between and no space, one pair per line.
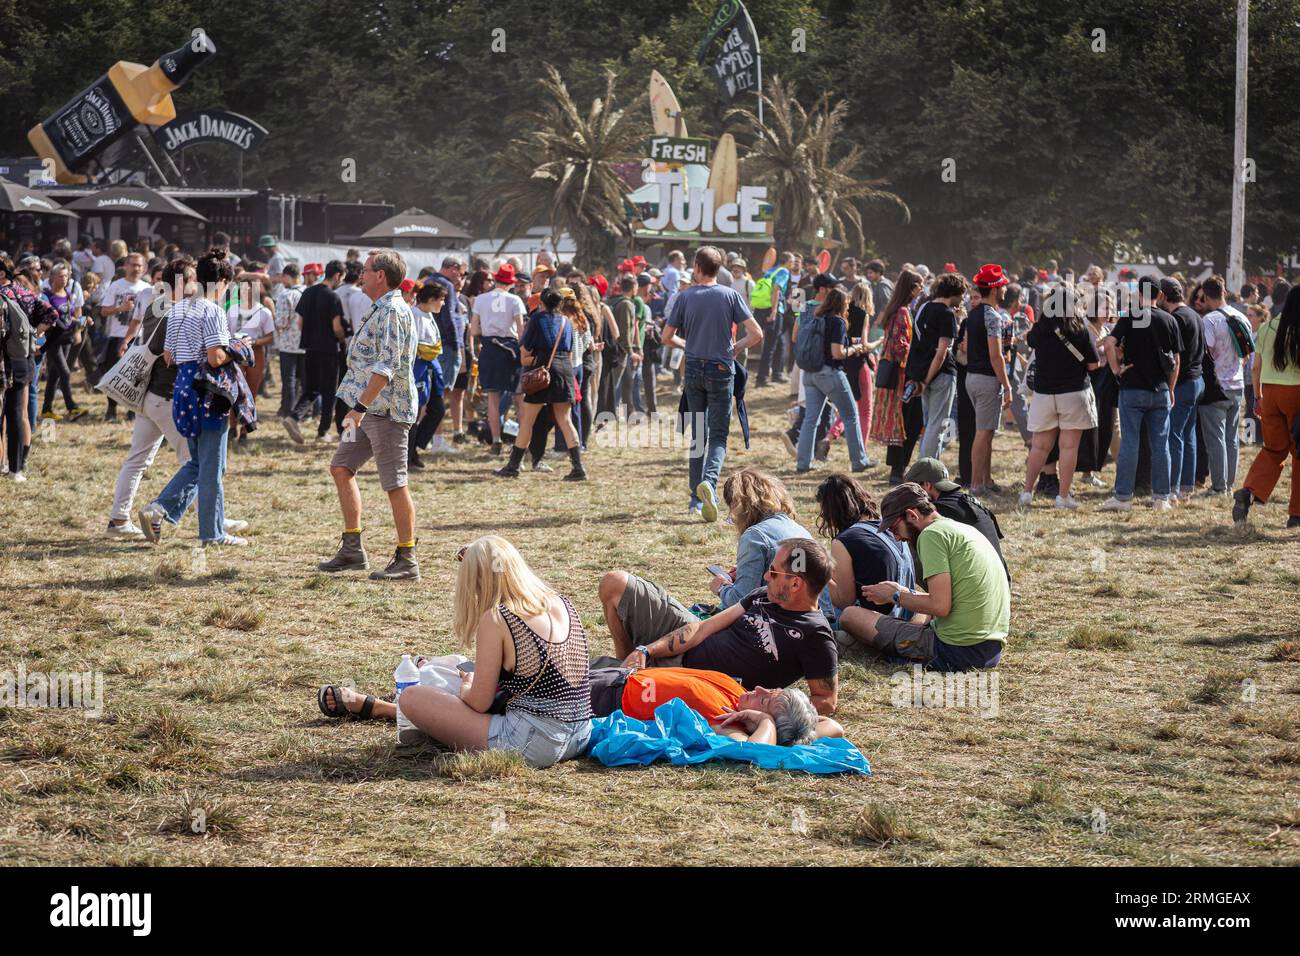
562,170
791,155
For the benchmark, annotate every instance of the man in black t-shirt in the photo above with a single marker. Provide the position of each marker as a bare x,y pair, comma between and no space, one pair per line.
1145,360
1187,391
930,362
772,637
322,336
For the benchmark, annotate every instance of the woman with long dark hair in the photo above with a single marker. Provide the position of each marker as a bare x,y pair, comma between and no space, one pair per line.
894,423
829,383
1277,398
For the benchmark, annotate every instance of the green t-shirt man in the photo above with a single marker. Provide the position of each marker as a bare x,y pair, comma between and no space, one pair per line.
981,597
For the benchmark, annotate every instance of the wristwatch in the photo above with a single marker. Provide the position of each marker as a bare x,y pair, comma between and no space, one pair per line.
899,594
644,650
358,407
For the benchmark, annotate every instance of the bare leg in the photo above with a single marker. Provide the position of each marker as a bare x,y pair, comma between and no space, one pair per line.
446,718
981,454
494,415
860,622
612,586
565,423
349,496
527,418
381,709
403,512
1039,449
1070,438
457,409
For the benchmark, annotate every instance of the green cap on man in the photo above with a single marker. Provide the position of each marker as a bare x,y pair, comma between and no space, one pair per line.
931,470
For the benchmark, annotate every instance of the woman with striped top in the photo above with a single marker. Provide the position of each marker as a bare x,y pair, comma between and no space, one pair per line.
528,633
197,330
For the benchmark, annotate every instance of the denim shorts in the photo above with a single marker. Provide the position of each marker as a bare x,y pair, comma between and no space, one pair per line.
542,740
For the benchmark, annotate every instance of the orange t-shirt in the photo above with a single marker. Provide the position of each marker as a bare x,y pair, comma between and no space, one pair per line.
708,693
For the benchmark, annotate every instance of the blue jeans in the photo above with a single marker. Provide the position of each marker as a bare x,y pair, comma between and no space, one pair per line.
1182,435
708,387
37,362
829,384
1137,406
203,476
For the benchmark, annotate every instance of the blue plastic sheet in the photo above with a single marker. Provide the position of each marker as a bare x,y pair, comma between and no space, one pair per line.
681,736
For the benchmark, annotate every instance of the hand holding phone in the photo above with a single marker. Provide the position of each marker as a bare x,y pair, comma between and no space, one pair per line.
718,570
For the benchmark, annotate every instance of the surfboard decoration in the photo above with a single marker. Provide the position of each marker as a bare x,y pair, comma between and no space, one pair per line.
724,176
824,261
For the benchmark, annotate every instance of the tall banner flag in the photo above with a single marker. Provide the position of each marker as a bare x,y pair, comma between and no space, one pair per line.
736,68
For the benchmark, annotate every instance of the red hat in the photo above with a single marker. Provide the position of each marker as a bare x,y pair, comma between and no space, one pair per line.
506,274
950,267
313,268
990,276
408,285
639,260
601,284
628,265
1042,274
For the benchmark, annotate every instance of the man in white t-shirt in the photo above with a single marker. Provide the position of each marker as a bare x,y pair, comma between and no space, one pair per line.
101,263
356,304
118,305
288,337
498,314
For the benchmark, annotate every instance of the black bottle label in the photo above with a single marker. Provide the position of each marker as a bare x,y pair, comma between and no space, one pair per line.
88,123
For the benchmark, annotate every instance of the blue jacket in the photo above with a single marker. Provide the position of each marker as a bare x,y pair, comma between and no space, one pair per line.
754,553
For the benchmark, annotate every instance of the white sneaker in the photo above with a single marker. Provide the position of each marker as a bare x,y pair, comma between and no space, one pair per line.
1161,504
1027,499
229,540
292,427
1114,504
126,530
234,525
1069,501
18,476
151,521
1092,481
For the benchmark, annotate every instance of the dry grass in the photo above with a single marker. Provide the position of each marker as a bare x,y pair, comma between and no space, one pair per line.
1120,691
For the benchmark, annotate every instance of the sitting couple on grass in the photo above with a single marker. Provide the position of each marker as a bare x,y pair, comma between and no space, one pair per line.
960,622
540,705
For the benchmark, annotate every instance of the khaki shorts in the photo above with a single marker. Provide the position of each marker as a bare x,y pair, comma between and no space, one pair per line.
648,612
1071,411
381,438
985,393
904,639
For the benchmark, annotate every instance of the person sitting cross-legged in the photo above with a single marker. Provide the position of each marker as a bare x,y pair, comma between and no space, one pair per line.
968,599
772,637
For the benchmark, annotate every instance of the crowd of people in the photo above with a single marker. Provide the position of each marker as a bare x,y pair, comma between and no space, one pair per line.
386,365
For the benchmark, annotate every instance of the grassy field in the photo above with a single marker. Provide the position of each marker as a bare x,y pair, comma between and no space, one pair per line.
1121,691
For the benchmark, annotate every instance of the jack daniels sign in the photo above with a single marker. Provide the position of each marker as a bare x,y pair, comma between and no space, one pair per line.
210,126
736,66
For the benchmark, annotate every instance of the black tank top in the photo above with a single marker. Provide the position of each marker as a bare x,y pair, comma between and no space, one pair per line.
563,691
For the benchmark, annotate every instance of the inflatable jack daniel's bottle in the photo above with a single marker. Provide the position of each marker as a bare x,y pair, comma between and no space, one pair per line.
127,95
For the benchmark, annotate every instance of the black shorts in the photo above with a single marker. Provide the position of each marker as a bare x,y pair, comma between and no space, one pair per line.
608,678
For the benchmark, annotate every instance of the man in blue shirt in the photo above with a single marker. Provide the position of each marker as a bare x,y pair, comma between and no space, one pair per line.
704,314
672,272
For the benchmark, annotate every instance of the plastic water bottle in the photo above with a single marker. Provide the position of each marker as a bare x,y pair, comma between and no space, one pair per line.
405,676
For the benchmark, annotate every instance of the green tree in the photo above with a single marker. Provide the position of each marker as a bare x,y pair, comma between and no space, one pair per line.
561,170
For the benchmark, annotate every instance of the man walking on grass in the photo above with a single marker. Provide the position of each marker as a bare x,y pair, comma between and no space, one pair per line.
705,314
379,391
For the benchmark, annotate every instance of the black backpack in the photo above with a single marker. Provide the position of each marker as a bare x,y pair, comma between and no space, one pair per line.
19,339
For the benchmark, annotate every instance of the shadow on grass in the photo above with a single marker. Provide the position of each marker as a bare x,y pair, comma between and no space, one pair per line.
1239,640
119,582
492,525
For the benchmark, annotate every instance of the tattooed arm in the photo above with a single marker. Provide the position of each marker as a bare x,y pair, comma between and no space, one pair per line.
686,637
824,693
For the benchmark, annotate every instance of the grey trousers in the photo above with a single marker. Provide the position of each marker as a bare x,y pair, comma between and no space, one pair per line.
937,403
1220,422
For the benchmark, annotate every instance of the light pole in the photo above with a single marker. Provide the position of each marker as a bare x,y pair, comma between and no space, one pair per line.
1236,276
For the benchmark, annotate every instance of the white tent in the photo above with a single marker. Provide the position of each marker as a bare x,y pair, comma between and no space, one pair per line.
416,259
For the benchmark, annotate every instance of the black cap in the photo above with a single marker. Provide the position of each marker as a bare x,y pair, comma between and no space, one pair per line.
824,280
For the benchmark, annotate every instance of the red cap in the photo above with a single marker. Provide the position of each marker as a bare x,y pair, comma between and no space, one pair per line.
1042,274
950,267
990,276
312,267
408,285
505,274
601,284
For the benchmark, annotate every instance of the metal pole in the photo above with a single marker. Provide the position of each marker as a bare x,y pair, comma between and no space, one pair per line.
1236,275
758,62
152,162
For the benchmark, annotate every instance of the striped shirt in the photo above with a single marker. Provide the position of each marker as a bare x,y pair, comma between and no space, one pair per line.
193,327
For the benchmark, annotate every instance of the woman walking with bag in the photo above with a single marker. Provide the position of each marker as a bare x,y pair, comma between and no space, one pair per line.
546,383
65,298
1276,380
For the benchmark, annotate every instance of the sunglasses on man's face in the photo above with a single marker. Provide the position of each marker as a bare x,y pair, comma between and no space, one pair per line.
789,574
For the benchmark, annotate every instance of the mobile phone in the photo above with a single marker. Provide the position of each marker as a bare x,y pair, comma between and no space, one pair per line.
466,668
718,570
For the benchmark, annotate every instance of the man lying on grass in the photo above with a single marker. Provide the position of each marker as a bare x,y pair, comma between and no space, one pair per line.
772,637
783,717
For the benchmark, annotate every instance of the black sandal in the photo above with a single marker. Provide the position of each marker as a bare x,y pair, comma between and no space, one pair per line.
340,710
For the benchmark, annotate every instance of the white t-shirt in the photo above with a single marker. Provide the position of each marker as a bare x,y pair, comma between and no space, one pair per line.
497,313
288,324
426,329
256,323
1218,342
105,267
356,305
118,290
83,261
275,265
